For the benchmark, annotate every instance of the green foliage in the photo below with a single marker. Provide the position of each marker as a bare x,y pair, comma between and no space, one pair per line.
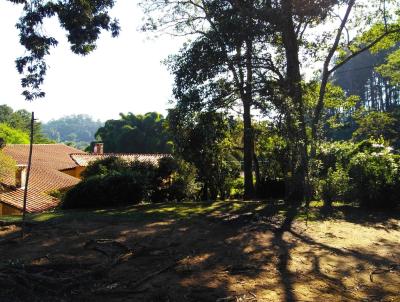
75,130
170,180
204,140
367,173
20,121
270,149
13,136
391,68
105,191
237,189
175,180
136,134
375,125
83,21
375,179
336,185
105,166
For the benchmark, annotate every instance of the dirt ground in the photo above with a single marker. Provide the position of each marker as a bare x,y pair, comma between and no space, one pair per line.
242,257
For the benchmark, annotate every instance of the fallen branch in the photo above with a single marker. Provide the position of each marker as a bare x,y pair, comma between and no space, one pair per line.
392,268
152,275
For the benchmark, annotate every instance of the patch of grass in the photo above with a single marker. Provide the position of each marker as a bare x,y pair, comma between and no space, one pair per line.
151,212
148,212
13,218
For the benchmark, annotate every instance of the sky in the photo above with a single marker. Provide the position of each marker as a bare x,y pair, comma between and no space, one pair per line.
124,74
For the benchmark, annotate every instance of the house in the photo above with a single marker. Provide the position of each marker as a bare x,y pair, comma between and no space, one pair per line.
55,168
47,175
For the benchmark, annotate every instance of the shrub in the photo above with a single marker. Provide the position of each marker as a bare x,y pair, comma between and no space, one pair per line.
105,191
237,189
336,185
375,179
175,181
105,166
366,172
112,182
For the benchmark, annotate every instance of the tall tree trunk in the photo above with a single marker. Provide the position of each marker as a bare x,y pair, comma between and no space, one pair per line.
248,139
257,173
247,151
297,128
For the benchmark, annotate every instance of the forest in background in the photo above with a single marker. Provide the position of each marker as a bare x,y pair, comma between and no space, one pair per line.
74,130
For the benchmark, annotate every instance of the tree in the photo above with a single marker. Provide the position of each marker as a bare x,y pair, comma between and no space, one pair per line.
79,130
13,136
368,76
375,125
391,68
19,123
295,34
219,64
204,140
83,20
318,31
136,134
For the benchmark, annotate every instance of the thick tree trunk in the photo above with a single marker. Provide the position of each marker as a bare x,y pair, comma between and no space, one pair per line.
247,151
297,128
257,173
248,139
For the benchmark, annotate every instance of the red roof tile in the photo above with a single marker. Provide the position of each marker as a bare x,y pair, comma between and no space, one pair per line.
45,176
85,159
55,156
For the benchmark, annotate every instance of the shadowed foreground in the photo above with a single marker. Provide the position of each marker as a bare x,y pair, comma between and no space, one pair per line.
252,253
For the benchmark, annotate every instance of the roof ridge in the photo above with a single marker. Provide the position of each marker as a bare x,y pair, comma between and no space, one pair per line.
149,154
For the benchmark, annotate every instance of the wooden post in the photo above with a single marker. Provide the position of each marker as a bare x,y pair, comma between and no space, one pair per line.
27,175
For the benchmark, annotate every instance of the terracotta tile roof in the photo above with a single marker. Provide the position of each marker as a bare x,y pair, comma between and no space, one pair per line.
47,163
45,176
54,156
36,201
85,159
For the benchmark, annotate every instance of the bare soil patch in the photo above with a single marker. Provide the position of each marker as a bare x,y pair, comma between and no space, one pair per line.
204,258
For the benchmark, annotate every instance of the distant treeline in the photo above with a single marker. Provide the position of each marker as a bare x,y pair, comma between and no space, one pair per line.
75,130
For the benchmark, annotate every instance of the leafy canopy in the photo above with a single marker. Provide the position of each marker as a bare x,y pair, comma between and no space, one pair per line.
136,134
83,21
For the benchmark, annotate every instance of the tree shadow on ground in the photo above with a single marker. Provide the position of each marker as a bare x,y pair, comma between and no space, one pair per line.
376,218
228,253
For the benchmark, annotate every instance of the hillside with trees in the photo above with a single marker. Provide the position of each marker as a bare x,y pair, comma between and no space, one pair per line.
75,130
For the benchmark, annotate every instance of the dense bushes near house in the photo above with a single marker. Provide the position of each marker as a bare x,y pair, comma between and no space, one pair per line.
105,191
366,173
113,182
105,166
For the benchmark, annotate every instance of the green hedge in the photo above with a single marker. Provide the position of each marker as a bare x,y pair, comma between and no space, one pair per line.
366,173
104,191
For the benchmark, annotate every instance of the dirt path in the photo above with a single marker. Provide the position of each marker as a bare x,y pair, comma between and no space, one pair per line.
202,259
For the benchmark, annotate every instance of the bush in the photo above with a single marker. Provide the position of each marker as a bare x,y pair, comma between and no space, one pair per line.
105,191
375,179
367,173
105,166
175,181
336,186
112,182
237,189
